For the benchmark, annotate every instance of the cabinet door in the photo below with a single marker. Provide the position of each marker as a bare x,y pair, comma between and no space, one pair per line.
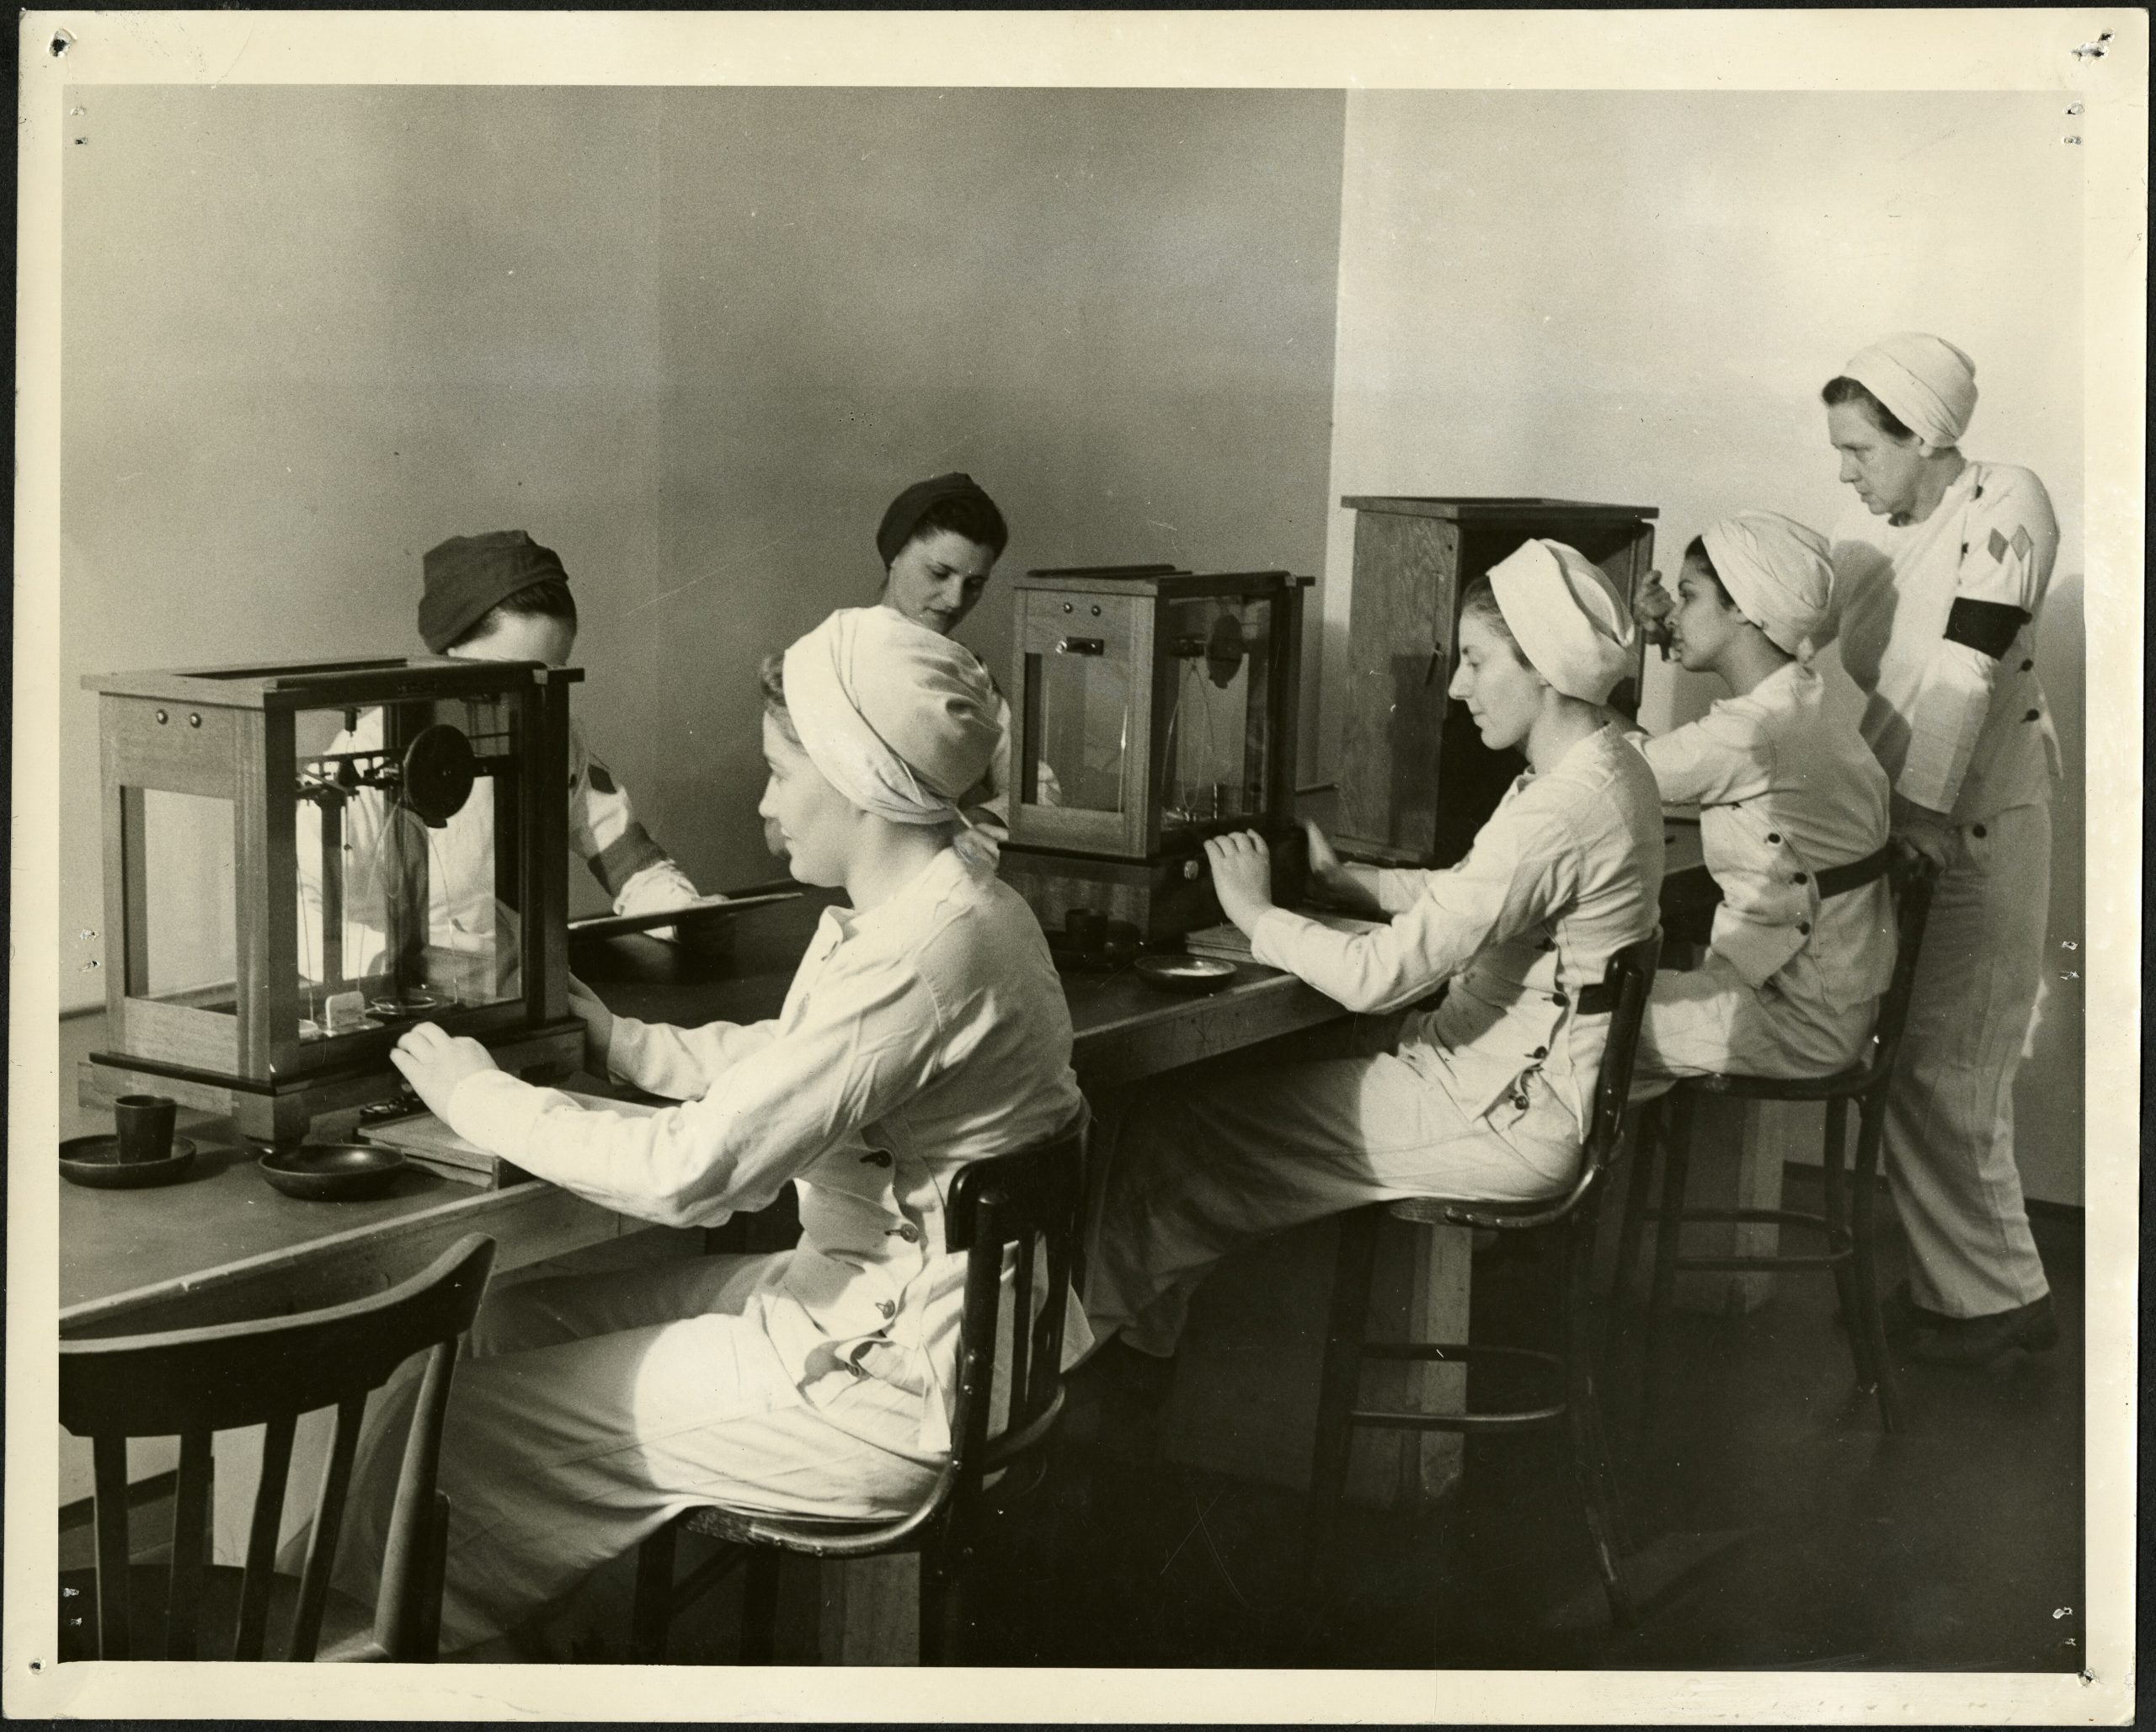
1399,660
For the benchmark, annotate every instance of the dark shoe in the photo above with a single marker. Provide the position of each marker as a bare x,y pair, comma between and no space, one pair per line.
1905,1320
1978,1340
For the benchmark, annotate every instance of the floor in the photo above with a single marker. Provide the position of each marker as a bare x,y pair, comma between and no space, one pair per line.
1772,1525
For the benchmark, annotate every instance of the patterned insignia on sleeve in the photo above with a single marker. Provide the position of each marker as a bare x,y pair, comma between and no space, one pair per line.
1999,546
600,778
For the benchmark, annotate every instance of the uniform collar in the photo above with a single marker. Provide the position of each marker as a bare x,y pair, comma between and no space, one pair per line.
931,885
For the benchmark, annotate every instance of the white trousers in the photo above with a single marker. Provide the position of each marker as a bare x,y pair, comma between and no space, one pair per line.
1210,1157
594,1408
1949,1111
1702,1020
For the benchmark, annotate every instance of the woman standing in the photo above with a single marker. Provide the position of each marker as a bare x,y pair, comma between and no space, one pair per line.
1940,585
940,540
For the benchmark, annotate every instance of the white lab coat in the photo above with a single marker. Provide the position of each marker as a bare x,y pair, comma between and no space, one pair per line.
1486,1095
603,830
1792,981
1938,629
919,1036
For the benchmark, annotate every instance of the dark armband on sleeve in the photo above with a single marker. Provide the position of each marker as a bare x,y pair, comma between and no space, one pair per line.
1988,627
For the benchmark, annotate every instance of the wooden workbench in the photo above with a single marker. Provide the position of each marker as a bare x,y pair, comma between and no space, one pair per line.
222,1245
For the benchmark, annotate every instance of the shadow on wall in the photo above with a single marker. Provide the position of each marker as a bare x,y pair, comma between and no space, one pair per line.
2048,1091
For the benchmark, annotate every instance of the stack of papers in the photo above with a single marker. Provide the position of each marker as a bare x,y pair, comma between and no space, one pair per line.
1227,942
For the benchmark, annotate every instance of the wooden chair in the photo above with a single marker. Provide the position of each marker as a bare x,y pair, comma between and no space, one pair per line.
1014,1210
1846,1222
1569,1397
194,1382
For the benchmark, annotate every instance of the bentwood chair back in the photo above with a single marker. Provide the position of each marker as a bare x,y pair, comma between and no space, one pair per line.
193,1383
1567,1394
1016,1218
1845,1222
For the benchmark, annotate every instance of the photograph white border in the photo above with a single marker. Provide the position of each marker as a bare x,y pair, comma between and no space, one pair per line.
2096,57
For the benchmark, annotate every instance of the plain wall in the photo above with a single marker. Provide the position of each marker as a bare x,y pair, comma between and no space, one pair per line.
1636,297
691,339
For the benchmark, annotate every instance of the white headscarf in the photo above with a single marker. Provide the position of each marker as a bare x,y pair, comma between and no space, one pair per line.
900,719
1779,575
1929,384
1566,616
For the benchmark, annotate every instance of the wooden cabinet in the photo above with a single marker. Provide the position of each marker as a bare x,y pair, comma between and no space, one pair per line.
1415,782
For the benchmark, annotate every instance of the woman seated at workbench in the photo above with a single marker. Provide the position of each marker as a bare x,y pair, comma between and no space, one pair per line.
1793,820
939,541
1486,1095
925,1029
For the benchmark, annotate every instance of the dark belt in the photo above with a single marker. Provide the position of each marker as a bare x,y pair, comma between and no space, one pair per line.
1854,875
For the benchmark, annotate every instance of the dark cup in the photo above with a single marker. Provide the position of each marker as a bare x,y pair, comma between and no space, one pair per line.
144,1123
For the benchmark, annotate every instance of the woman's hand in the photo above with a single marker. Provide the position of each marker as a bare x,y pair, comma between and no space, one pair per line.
1923,831
597,1025
1242,876
1651,607
434,1061
1329,873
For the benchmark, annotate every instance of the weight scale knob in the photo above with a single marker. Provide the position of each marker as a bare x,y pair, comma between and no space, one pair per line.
439,770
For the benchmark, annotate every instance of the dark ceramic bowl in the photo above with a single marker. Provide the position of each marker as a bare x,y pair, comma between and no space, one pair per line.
95,1161
1186,974
332,1172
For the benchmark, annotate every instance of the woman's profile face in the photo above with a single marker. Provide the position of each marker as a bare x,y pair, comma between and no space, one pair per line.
804,816
1705,620
937,578
1501,692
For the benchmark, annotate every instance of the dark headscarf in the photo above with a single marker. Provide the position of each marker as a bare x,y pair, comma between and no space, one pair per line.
905,512
468,574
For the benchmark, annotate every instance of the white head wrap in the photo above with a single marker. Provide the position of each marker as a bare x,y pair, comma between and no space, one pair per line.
1568,618
1779,575
1930,384
900,719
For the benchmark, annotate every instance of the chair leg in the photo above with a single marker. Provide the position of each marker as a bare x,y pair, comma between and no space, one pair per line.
942,1612
651,1610
1591,1468
1338,1387
1836,1210
1669,1229
1639,1181
760,1585
1865,1185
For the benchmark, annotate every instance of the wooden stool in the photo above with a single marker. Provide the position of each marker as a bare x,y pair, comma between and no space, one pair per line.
1004,1212
1846,1224
1570,1397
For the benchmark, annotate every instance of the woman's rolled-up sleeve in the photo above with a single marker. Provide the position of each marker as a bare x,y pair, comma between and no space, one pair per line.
1522,867
866,1040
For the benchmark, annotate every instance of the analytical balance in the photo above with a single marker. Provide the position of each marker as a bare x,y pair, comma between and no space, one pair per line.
1152,707
302,860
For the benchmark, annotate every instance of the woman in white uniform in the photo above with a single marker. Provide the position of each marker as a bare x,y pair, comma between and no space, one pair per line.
1792,819
1486,1095
925,1029
1940,581
497,597
940,540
